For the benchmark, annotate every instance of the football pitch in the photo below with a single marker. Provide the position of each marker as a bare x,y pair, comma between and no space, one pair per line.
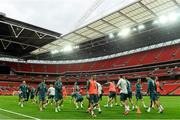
9,109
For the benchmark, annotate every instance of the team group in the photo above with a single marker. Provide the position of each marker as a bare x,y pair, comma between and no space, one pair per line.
94,94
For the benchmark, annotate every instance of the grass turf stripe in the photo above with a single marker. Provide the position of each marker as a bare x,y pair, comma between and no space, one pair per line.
27,116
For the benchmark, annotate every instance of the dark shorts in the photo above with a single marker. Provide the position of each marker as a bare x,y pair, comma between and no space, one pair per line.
32,96
58,97
130,95
23,95
100,97
139,96
158,94
112,94
79,99
123,96
42,97
51,97
153,96
93,98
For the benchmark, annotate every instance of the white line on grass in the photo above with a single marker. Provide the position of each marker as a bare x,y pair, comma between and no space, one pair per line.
19,114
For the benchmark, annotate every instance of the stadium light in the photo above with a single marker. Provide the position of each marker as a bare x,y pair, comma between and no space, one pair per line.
76,47
141,27
67,48
54,51
124,32
111,35
61,50
163,19
155,22
173,16
134,29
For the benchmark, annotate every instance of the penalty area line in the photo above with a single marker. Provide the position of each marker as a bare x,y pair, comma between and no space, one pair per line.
27,116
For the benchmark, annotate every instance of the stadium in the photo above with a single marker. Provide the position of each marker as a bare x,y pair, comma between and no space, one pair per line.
122,64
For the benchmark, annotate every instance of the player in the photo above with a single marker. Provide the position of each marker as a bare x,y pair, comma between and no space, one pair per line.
58,94
28,93
41,91
158,90
64,92
92,92
51,93
158,87
99,87
32,95
139,94
77,99
112,93
81,90
22,93
76,88
122,84
87,97
130,93
100,91
153,95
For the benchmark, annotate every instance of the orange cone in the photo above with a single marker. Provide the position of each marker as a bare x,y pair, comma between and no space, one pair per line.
138,110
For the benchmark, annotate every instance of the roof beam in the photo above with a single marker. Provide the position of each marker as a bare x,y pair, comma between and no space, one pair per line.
24,47
109,23
95,30
5,46
28,29
14,31
15,42
124,15
68,40
147,8
81,35
174,1
65,39
39,35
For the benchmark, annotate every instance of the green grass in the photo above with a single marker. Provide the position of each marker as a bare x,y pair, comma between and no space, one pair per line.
170,103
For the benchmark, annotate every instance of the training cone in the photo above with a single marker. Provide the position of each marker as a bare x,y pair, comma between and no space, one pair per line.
138,110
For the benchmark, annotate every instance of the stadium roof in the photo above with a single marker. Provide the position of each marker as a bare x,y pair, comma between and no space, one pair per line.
18,39
134,14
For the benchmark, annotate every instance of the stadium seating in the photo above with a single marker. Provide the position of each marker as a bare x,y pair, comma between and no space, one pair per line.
142,58
168,88
177,91
8,87
159,55
38,68
129,75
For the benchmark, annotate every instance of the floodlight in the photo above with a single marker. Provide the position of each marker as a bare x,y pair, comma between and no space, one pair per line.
155,22
61,50
124,32
173,16
54,51
68,48
111,35
141,27
76,47
163,19
134,29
